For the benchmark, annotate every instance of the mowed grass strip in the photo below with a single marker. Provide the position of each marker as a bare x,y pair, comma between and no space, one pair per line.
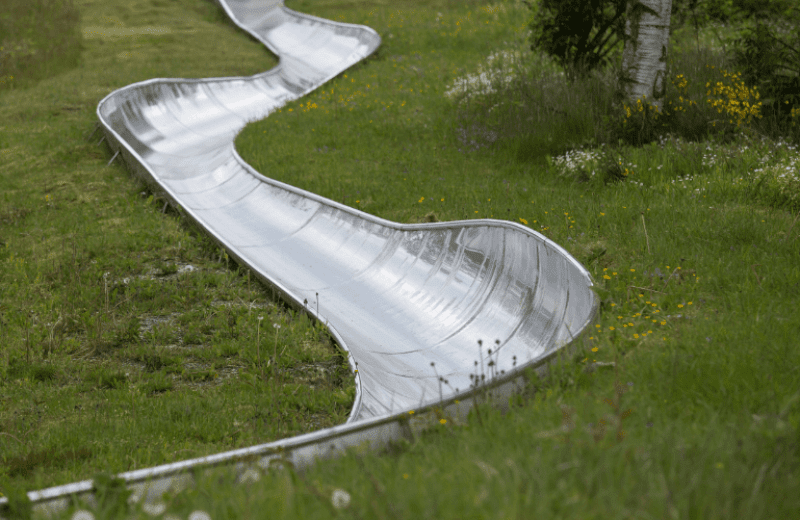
687,403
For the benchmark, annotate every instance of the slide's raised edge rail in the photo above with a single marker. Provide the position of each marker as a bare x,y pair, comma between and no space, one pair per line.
398,298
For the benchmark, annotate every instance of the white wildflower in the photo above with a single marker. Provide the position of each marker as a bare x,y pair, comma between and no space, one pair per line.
154,508
340,499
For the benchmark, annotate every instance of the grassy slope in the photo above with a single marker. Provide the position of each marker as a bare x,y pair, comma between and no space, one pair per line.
697,419
113,357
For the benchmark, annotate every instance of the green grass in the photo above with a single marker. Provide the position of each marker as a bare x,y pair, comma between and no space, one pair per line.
38,39
686,405
128,338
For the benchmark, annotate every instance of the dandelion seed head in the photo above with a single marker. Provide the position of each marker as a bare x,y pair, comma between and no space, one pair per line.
154,508
340,498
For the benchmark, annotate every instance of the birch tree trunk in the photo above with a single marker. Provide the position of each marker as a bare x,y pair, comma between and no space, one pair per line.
644,58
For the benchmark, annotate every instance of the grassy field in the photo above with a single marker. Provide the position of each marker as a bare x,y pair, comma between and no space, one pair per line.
128,339
686,406
38,39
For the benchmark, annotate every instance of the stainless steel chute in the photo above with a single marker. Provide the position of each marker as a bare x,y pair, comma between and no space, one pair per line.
408,302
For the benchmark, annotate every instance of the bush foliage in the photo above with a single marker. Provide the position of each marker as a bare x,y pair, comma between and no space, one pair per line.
768,54
755,87
581,35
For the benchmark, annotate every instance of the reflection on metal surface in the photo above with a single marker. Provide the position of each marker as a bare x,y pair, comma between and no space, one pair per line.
409,302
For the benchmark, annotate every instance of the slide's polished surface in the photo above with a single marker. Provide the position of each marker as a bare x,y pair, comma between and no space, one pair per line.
408,302
398,297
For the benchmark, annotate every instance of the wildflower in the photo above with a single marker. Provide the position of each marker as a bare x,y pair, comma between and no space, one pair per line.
521,220
154,508
442,421
199,515
82,515
340,498
250,475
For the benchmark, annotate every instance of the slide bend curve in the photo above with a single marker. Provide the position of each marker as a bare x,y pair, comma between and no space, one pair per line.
397,297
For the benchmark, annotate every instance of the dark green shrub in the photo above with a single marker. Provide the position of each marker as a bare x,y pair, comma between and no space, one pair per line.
768,55
580,34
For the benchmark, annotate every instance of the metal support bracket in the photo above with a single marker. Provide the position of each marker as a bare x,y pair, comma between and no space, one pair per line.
94,131
112,159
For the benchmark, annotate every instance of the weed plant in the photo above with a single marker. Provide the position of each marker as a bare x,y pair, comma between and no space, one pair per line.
685,404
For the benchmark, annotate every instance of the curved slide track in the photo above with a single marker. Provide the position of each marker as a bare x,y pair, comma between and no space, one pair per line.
396,297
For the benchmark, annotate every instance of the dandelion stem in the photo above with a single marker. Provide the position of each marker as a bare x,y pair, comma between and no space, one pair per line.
9,435
788,233
258,345
645,289
753,268
647,239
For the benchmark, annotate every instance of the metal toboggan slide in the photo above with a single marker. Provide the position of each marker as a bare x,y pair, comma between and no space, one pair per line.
396,297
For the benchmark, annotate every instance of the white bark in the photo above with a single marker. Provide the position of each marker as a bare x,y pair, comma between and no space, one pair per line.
644,59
